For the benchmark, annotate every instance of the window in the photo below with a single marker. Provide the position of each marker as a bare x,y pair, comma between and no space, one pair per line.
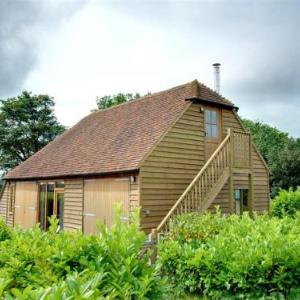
51,202
11,199
42,205
211,123
241,201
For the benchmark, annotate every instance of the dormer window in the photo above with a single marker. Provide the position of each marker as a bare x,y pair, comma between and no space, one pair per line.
211,123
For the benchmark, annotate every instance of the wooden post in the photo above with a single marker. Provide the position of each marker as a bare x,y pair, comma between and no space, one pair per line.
153,238
231,161
250,179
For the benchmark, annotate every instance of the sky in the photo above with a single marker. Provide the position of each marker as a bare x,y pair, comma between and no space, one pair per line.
76,50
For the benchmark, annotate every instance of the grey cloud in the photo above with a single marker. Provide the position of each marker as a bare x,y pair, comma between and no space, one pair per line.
263,34
257,40
23,24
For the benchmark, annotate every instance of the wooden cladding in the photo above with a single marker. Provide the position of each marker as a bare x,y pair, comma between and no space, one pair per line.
26,204
3,201
241,149
205,186
171,166
73,204
100,195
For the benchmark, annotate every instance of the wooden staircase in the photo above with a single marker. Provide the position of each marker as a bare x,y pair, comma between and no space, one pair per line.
232,156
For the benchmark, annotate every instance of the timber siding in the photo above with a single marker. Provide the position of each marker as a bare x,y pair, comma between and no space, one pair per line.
73,204
7,217
134,194
3,202
171,166
10,216
260,173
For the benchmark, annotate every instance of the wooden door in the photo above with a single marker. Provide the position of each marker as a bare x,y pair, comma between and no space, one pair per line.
26,204
99,198
213,130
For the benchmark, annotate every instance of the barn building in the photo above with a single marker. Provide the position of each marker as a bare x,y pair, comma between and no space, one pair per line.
180,150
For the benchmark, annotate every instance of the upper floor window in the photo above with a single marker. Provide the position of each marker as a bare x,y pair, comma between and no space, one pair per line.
211,123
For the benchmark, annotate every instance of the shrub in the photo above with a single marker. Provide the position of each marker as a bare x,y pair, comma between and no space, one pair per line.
237,257
287,203
51,265
5,231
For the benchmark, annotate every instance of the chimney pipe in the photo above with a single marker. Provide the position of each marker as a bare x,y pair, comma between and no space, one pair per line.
217,77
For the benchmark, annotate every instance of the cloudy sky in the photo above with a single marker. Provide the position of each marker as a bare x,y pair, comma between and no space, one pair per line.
77,50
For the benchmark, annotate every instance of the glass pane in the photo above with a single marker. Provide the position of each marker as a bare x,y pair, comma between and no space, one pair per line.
208,130
60,209
214,131
207,116
50,201
59,184
237,195
42,205
214,117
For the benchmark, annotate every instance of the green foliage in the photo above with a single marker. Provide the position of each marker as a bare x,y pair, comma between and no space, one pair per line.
233,257
286,203
111,100
286,169
64,265
5,231
268,139
27,123
281,152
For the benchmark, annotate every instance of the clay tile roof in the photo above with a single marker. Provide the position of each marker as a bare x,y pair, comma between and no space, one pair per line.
115,139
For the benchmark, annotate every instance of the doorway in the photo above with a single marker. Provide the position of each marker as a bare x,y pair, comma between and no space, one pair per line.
100,196
51,203
26,204
241,201
212,125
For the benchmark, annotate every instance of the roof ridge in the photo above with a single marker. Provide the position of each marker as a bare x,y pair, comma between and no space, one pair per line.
142,98
213,91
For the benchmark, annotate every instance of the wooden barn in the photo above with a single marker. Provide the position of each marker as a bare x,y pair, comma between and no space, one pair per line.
180,150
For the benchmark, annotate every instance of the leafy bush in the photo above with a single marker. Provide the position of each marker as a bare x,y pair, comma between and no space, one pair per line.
287,203
5,231
51,265
233,257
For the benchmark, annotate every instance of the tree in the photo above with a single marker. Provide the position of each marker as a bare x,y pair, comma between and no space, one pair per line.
286,168
281,152
27,123
109,101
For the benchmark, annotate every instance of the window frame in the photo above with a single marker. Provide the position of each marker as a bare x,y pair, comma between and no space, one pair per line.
58,187
209,123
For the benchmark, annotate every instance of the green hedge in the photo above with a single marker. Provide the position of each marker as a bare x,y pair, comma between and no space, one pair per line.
286,203
209,255
233,257
51,265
